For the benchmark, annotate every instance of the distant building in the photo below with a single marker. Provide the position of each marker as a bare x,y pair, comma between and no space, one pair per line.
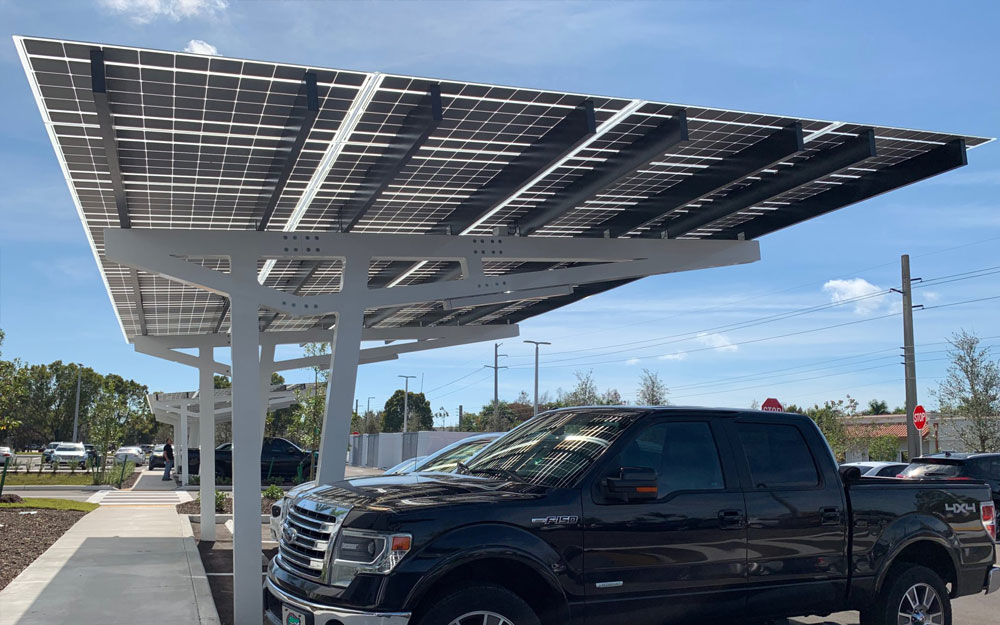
939,435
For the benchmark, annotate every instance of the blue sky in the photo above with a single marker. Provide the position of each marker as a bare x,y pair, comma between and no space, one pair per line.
905,64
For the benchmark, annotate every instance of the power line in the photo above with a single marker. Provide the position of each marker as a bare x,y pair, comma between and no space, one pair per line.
437,388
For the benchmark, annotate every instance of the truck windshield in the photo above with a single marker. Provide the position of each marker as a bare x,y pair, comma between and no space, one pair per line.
553,449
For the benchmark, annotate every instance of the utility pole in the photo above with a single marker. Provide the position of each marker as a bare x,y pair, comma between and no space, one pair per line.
406,399
496,384
356,405
913,446
76,413
369,404
536,344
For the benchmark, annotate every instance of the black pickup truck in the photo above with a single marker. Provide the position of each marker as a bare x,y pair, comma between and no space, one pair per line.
641,516
278,458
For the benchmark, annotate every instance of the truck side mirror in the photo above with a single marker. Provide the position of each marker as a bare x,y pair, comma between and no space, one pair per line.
632,484
850,475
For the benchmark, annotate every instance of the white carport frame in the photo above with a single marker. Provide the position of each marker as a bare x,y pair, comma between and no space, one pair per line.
166,347
168,253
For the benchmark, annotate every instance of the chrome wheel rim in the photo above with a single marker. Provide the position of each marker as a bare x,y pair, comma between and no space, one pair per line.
481,617
921,605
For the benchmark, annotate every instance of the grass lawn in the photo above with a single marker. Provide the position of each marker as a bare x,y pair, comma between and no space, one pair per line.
49,479
52,504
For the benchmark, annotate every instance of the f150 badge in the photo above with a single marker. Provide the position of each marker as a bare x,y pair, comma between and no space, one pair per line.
960,508
556,520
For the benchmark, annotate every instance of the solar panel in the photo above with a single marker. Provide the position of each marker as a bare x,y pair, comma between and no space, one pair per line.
153,139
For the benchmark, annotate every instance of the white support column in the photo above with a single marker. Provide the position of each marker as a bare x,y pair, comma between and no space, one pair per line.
194,434
206,424
346,351
182,445
247,434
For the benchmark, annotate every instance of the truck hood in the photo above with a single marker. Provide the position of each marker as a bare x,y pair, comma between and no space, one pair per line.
416,491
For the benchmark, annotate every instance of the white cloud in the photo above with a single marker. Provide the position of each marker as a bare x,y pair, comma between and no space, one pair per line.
633,361
677,356
844,290
146,11
717,341
197,46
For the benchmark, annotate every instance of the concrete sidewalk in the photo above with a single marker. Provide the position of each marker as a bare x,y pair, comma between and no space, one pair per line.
112,566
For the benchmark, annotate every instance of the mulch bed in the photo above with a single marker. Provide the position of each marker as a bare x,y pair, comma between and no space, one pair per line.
24,537
194,506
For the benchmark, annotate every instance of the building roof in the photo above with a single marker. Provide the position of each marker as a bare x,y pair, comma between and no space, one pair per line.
155,139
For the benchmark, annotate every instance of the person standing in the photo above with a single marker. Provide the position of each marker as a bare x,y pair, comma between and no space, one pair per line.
168,459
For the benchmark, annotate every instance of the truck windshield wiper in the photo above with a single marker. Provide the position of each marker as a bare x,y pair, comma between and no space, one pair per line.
494,471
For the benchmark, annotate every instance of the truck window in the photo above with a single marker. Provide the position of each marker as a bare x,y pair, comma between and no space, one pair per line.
683,455
778,456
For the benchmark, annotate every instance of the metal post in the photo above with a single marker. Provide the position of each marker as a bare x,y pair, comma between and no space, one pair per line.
406,400
369,409
76,412
536,344
248,432
206,424
913,445
344,358
496,385
182,444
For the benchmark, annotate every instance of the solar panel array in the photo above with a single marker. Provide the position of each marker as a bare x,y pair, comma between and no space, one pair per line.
201,142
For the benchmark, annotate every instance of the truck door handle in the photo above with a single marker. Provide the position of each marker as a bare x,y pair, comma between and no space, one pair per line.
830,516
731,519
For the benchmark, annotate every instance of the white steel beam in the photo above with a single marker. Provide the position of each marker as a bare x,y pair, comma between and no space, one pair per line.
158,251
248,432
206,470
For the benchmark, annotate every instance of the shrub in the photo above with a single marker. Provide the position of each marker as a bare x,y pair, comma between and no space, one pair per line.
273,492
275,481
220,501
194,480
10,498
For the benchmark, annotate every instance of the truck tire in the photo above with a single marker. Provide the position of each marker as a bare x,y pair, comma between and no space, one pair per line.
911,590
485,604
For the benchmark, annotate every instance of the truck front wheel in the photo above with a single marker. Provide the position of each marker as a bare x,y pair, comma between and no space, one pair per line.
480,605
914,595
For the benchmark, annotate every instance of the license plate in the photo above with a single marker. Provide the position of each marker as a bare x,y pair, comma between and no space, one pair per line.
291,617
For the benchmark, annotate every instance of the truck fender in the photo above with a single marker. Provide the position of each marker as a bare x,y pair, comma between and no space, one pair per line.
909,530
452,550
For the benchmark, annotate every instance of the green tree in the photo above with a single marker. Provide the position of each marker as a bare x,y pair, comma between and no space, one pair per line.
970,394
877,406
12,389
421,417
652,391
883,448
830,419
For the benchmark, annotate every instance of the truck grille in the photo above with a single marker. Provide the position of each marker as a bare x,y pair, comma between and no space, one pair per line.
307,533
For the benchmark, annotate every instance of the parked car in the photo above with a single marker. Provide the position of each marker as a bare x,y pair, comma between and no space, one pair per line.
878,469
406,466
49,449
5,453
146,449
70,454
278,458
91,452
634,515
130,454
156,459
958,466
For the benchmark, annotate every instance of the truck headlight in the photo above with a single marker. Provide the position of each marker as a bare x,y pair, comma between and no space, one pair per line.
366,552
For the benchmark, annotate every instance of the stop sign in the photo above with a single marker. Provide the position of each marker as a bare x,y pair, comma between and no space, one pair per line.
771,405
920,417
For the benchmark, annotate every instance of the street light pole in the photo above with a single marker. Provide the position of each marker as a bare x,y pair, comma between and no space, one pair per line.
536,344
406,400
76,413
369,409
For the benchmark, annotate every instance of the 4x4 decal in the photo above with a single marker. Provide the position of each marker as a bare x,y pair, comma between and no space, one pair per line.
960,508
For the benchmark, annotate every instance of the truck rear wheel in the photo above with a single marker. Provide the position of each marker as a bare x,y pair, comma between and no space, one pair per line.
480,605
912,595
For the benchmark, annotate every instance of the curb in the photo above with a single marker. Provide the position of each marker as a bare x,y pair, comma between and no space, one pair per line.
223,518
207,613
58,487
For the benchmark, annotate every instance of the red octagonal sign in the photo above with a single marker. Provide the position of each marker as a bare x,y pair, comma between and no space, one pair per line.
771,405
920,417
